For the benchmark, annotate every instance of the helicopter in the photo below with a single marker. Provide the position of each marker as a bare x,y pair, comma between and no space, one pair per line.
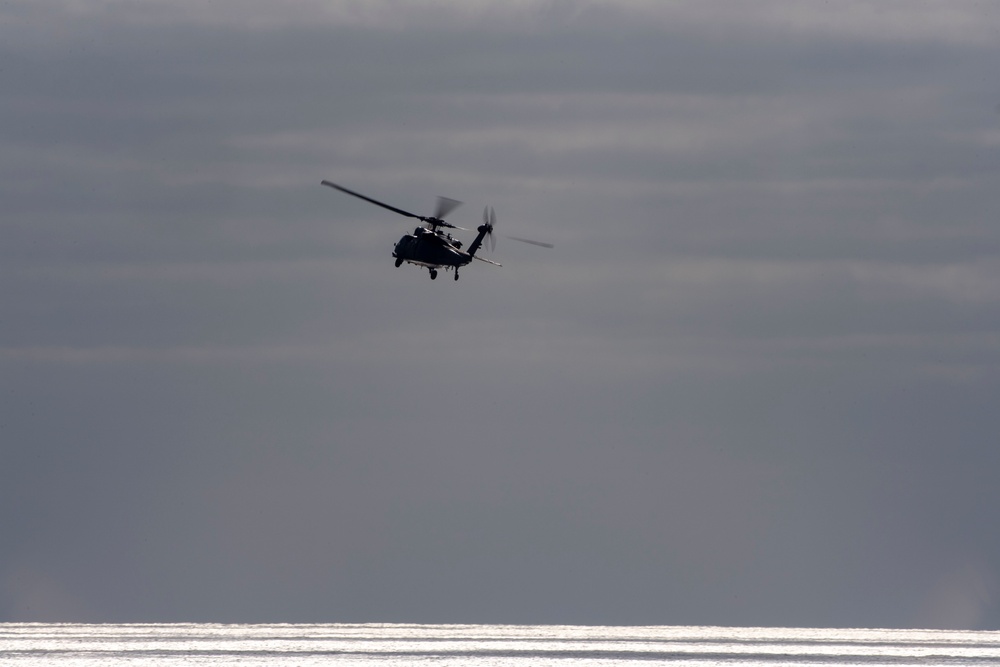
431,247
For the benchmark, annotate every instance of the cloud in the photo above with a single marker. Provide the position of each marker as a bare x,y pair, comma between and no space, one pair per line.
960,21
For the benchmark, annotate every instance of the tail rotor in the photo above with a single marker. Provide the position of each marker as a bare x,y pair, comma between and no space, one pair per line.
490,220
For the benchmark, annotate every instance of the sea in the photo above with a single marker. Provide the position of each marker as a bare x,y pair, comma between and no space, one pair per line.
386,645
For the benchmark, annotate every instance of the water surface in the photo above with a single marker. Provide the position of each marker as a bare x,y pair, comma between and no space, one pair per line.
368,645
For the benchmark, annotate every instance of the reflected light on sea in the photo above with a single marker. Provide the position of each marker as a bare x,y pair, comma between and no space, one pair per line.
386,645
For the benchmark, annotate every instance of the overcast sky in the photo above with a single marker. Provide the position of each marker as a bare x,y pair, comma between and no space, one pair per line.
756,382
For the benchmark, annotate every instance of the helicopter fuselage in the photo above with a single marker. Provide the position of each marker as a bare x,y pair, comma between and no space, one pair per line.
431,249
435,249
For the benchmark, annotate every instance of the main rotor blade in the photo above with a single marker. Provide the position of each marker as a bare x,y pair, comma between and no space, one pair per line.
373,201
518,238
445,206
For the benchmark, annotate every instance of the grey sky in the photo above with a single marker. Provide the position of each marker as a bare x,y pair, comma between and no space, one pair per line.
754,383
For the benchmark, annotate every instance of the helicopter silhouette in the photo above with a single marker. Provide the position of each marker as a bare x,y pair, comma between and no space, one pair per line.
431,247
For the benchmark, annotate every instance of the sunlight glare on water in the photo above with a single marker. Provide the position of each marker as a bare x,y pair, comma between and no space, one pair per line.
65,645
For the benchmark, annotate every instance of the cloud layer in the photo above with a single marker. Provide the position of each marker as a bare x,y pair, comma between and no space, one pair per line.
753,384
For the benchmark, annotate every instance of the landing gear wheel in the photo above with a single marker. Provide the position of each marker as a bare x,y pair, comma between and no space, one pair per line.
399,262
456,275
434,274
